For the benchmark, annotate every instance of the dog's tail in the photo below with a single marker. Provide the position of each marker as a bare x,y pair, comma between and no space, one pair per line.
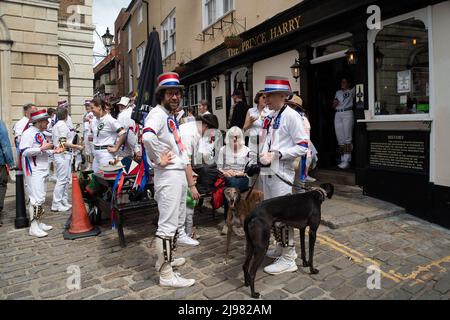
329,189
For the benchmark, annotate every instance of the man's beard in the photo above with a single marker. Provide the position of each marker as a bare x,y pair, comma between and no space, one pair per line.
167,106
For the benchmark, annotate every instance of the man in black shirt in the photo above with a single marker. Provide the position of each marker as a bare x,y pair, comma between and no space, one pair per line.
238,110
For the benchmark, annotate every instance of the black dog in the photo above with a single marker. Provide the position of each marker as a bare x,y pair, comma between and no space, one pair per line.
299,211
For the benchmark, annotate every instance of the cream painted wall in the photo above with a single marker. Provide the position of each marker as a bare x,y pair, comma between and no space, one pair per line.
220,92
441,110
275,66
189,17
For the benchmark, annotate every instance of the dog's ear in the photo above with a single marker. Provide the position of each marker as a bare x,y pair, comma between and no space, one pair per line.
329,189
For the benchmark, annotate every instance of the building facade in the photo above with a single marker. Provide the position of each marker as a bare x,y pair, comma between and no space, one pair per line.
135,30
401,57
46,50
121,46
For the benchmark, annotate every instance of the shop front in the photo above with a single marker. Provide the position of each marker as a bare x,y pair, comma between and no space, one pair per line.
398,69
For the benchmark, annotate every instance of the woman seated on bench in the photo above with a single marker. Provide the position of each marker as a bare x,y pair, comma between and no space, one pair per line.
231,162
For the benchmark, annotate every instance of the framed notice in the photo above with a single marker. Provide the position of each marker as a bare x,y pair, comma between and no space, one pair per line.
219,103
404,81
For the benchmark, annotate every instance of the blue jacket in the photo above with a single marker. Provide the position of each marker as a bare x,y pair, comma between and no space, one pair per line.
6,155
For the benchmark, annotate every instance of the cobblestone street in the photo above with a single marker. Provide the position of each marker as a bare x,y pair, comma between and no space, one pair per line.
413,255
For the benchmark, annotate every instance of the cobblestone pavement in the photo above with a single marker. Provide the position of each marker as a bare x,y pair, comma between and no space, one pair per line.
413,255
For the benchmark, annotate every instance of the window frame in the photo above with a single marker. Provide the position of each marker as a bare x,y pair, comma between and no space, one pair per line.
140,54
168,35
219,12
130,38
140,15
200,88
425,16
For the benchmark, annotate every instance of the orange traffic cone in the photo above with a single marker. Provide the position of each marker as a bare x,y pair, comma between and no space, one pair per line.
80,226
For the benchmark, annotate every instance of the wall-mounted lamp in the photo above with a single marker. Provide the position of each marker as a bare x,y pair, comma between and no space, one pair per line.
296,69
107,39
352,56
214,82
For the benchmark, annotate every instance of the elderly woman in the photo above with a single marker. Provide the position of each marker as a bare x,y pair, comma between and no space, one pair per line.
231,162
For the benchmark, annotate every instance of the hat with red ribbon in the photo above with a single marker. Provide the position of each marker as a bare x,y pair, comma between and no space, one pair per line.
277,85
38,115
169,80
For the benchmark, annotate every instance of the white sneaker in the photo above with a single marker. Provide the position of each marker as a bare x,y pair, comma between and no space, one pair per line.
224,229
60,208
275,252
281,265
44,227
187,241
310,179
177,262
67,204
35,231
344,165
176,282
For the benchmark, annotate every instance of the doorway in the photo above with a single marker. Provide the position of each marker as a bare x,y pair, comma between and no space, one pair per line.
326,78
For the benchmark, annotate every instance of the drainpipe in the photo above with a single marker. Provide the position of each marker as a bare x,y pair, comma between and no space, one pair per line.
148,27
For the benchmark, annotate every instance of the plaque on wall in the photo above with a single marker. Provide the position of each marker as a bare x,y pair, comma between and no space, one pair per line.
219,103
403,151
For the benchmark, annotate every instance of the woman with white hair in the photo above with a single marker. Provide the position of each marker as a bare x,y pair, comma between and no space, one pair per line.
231,162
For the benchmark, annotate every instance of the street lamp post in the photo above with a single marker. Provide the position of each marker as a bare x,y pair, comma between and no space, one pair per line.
107,39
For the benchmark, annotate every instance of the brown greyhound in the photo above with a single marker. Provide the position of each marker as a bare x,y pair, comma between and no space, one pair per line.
239,208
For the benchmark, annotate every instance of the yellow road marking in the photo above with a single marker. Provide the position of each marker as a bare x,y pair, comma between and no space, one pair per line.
360,258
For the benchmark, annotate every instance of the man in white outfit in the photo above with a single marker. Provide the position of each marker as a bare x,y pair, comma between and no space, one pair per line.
20,126
60,136
35,151
172,176
88,136
131,146
344,121
286,140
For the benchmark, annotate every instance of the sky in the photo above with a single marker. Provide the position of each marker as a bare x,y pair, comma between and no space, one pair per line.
104,15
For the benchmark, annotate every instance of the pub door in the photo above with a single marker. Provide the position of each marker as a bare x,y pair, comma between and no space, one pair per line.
326,79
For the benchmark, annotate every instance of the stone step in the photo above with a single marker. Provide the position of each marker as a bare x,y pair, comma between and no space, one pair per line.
342,177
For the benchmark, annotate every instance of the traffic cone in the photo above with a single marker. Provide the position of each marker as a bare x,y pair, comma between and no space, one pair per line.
80,226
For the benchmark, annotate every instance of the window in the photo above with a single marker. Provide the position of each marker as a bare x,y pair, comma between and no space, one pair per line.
140,53
119,75
213,10
60,78
168,30
118,36
402,69
140,15
197,92
130,77
130,44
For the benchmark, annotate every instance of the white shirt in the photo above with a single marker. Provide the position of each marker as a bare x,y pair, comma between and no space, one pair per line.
60,133
204,114
131,144
19,127
290,138
105,130
30,144
191,138
345,98
87,125
158,138
256,128
233,161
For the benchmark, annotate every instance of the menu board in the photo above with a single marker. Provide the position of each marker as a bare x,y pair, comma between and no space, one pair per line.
400,151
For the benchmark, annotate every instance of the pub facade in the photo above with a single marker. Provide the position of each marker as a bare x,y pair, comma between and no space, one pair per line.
397,54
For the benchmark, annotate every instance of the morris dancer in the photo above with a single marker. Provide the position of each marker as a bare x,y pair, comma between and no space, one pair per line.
108,134
286,140
173,176
131,147
35,151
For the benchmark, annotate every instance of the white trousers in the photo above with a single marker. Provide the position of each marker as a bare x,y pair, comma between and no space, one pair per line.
343,125
88,148
37,186
274,187
63,176
101,159
170,193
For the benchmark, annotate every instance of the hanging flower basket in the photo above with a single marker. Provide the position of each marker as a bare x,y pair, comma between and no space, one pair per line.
233,42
